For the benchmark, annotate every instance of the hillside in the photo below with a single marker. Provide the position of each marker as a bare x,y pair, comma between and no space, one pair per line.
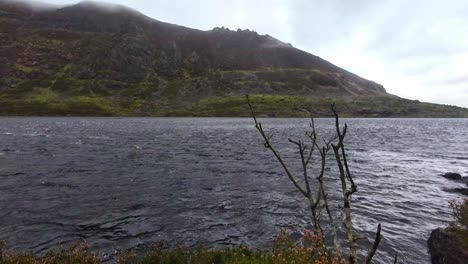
96,59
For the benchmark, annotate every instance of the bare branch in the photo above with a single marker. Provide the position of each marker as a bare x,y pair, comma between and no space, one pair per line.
372,251
313,137
304,169
347,222
268,145
302,148
323,154
348,174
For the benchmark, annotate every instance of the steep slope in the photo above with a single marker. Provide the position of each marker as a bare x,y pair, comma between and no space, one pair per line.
99,59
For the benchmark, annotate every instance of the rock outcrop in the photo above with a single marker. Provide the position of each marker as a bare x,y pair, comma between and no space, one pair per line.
452,176
446,248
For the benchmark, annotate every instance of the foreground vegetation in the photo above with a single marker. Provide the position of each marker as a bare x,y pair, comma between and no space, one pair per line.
460,226
284,251
450,244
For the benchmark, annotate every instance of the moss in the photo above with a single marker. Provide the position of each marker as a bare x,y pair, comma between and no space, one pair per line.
63,84
25,69
68,69
89,105
27,86
172,90
144,89
45,95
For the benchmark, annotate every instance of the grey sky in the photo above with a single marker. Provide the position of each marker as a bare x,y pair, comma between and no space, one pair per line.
417,49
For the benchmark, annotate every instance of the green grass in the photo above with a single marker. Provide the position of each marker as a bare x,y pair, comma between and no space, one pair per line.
89,98
294,106
89,105
47,103
45,95
270,105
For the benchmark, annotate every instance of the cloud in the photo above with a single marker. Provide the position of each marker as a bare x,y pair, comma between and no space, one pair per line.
458,80
416,49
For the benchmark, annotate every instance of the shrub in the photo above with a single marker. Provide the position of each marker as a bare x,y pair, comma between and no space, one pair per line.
460,213
78,253
311,250
460,226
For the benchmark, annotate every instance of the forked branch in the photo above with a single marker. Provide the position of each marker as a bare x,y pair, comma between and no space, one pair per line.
319,201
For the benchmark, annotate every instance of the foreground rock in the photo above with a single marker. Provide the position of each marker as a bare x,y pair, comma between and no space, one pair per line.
463,191
446,248
465,180
452,176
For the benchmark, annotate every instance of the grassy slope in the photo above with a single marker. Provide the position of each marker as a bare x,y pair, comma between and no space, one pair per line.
46,102
294,106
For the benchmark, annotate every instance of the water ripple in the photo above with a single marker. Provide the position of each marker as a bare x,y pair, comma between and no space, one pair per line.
124,183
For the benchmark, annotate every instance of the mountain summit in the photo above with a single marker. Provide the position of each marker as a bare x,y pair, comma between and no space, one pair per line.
94,58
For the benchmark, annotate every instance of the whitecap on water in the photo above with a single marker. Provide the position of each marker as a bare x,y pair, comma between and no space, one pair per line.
99,137
32,134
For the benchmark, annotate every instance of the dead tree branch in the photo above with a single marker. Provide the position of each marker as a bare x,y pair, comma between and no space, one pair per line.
338,149
348,186
268,145
372,251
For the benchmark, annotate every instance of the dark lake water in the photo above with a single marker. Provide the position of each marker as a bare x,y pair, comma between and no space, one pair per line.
124,183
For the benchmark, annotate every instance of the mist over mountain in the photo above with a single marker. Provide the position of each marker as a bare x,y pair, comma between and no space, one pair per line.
101,59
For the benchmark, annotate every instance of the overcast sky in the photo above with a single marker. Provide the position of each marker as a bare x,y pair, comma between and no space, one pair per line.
416,49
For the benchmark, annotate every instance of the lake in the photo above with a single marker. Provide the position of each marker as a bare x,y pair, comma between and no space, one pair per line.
122,183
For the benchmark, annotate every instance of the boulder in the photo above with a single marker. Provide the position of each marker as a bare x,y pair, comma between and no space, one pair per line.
445,248
452,176
457,190
460,190
465,180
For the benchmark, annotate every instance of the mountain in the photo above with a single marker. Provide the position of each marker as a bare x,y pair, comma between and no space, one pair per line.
101,59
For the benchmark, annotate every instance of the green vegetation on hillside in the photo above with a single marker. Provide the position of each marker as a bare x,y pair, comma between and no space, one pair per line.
294,106
134,102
